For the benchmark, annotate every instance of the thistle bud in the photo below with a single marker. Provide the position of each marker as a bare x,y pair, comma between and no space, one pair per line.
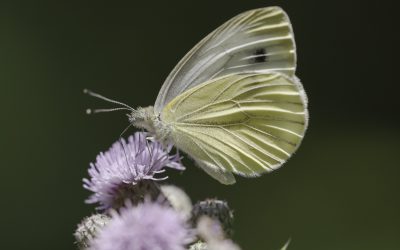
199,246
217,210
88,229
178,199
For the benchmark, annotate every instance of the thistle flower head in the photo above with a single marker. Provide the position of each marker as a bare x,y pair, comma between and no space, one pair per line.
148,226
117,171
217,210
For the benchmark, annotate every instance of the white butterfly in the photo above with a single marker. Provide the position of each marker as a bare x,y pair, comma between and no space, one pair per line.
233,103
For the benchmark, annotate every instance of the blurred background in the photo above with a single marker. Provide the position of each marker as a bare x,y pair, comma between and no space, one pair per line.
339,192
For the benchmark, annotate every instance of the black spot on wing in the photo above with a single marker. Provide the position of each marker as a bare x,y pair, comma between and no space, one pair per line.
260,55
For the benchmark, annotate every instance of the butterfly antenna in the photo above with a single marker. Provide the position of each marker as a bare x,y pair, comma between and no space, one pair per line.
95,111
124,107
91,93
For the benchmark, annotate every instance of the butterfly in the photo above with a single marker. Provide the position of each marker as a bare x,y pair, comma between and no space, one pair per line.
233,103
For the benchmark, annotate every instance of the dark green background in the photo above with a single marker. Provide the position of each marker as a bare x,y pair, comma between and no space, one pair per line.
339,192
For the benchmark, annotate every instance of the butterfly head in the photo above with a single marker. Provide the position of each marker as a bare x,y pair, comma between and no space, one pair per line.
148,119
143,118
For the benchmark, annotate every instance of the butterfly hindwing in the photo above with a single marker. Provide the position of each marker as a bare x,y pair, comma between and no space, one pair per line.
245,123
219,174
256,41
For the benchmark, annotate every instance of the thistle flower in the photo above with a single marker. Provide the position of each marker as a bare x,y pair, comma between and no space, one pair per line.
148,226
127,170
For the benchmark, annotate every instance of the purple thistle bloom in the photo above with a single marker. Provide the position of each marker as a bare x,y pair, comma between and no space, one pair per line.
148,226
118,170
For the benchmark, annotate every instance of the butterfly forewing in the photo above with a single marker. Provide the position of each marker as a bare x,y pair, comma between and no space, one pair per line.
244,123
255,41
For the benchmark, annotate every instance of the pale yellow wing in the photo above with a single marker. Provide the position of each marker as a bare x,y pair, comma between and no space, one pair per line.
245,124
256,41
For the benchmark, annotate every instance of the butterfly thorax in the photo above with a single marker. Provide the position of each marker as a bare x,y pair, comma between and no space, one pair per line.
148,119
